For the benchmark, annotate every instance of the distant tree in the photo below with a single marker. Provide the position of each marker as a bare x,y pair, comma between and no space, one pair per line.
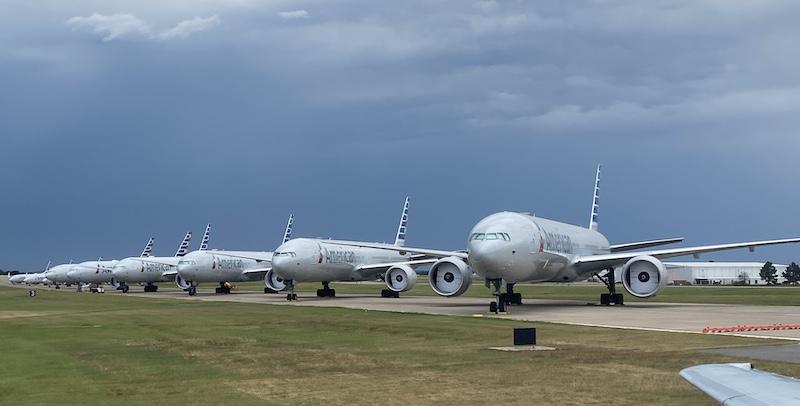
792,273
769,273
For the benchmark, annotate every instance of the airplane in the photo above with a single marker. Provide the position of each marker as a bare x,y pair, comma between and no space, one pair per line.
223,267
16,279
91,272
743,385
38,277
148,269
58,274
519,247
326,261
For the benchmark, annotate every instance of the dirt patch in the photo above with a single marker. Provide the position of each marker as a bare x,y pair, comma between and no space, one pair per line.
16,314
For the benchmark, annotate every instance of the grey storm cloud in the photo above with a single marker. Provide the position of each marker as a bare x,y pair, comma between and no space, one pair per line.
152,116
114,26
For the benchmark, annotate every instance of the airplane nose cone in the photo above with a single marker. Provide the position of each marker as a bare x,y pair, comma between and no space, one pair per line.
487,257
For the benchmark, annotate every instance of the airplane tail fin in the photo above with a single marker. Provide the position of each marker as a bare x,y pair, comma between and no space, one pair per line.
148,248
595,201
206,237
184,247
287,235
400,239
47,268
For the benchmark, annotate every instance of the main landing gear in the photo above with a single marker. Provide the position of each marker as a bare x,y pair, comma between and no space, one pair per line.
612,296
123,287
390,293
326,291
224,287
147,288
192,289
290,295
502,299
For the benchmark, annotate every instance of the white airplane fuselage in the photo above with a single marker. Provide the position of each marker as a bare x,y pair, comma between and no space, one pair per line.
17,279
36,278
92,272
518,247
315,260
58,274
143,269
216,266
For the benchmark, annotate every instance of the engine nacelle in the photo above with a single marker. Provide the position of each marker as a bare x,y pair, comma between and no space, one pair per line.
182,283
644,276
450,276
400,278
274,282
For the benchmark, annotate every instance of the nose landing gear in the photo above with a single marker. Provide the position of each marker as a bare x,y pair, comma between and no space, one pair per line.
502,299
290,296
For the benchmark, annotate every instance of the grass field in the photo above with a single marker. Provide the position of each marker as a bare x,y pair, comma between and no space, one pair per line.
774,295
67,348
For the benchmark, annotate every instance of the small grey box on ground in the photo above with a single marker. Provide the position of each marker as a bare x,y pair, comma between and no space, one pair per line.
525,336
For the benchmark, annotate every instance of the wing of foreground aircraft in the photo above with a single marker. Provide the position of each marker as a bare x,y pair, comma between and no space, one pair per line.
604,261
643,244
594,262
742,385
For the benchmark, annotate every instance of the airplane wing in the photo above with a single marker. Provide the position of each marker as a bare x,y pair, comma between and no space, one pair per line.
256,256
604,261
742,385
154,261
369,270
256,270
168,274
422,251
643,244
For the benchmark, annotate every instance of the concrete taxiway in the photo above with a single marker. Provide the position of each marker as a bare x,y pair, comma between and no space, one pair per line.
654,316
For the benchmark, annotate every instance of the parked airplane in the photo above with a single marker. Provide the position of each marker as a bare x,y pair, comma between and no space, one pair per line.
224,267
38,277
519,247
58,274
148,269
91,272
743,385
16,279
325,261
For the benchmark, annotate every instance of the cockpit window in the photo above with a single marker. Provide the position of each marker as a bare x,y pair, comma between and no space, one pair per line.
490,236
186,262
284,254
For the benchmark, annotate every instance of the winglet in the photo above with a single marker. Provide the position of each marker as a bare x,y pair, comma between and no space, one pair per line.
595,201
206,238
148,249
287,235
184,247
400,240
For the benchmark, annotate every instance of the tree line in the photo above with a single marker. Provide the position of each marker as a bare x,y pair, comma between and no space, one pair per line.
770,274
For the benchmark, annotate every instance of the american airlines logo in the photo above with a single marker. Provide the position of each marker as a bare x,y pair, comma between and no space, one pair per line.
557,242
340,256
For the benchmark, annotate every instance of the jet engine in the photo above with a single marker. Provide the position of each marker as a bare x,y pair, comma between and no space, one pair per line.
182,283
274,282
400,278
644,276
450,276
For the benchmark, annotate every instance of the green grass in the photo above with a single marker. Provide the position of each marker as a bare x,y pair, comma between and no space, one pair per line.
67,348
773,295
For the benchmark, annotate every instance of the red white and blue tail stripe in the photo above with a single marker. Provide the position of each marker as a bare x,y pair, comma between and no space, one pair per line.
287,235
206,237
148,249
400,240
183,249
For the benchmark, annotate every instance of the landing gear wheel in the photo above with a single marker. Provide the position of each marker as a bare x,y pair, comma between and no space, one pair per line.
192,290
126,288
612,297
516,298
501,307
291,297
493,307
390,293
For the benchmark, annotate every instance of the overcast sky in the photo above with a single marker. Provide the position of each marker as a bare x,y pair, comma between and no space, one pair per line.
125,119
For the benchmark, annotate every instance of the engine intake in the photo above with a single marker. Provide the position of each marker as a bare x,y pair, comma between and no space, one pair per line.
274,282
450,276
400,278
182,283
644,276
